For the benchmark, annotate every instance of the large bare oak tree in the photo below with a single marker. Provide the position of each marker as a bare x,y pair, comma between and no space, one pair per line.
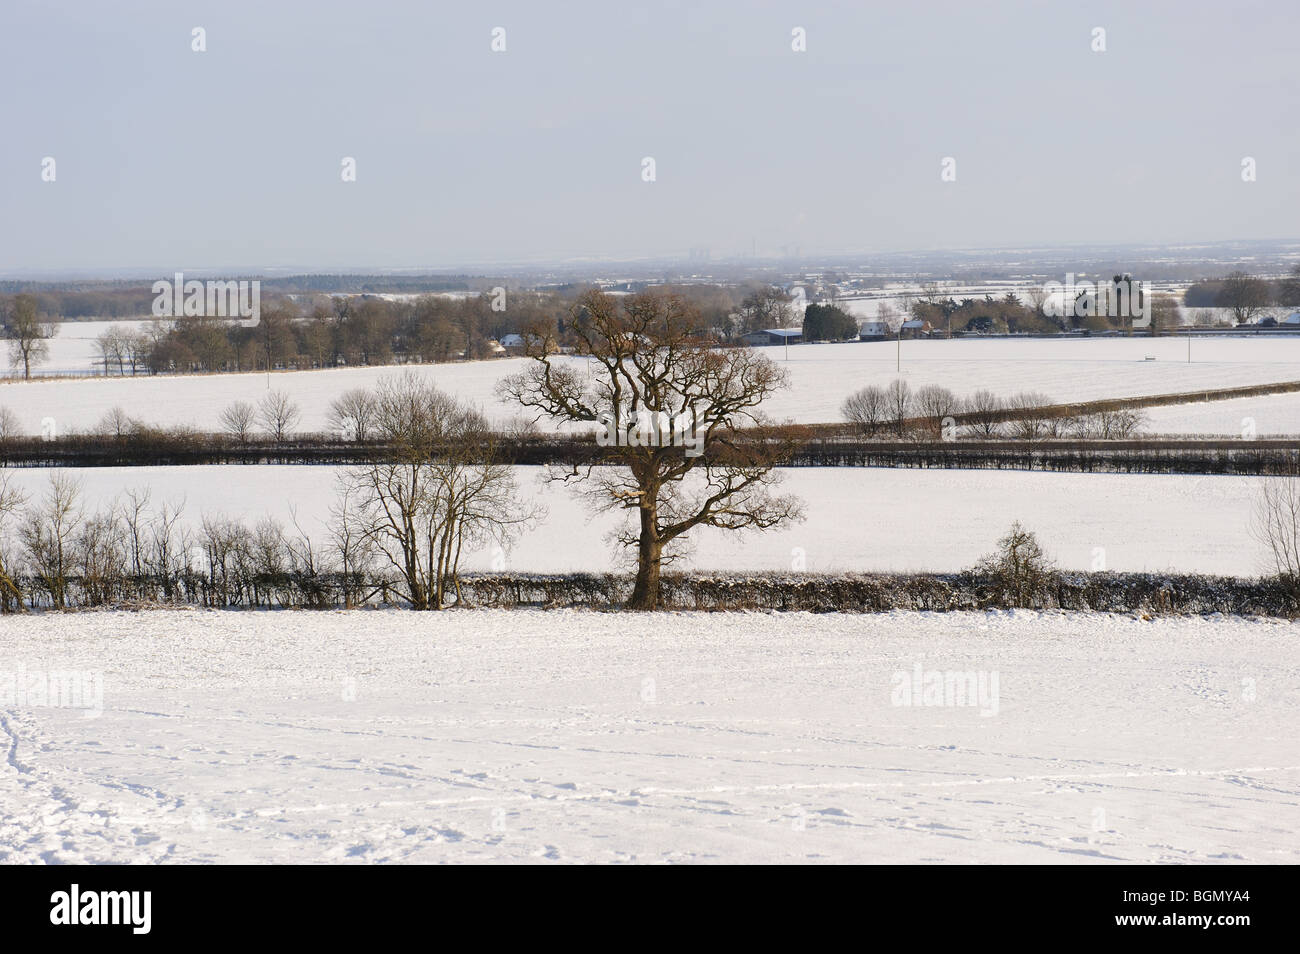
673,406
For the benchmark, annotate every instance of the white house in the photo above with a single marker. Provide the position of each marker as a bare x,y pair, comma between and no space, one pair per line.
873,330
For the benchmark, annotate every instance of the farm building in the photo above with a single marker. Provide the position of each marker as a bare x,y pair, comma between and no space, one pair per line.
916,328
774,336
873,330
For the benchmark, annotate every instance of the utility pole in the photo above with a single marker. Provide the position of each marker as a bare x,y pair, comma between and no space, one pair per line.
898,364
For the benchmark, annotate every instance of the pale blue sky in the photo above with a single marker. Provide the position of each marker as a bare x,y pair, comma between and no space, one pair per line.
171,159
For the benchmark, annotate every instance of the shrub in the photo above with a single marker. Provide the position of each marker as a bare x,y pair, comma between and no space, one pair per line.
1019,571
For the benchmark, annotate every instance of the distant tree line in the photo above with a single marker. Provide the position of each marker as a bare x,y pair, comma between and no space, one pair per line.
1248,297
72,303
335,331
106,300
933,412
306,328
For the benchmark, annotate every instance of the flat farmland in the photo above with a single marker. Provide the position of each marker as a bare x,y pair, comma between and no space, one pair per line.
858,519
821,376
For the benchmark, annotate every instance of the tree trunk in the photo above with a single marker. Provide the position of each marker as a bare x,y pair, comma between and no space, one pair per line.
645,595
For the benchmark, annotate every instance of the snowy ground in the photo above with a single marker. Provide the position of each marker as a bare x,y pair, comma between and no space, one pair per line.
576,736
857,519
1241,417
821,377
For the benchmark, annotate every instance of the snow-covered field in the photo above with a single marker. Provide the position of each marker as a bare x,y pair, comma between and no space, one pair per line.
821,377
573,736
1263,415
857,519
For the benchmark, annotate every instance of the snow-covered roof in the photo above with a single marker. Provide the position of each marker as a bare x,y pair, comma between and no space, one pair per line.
783,332
1292,319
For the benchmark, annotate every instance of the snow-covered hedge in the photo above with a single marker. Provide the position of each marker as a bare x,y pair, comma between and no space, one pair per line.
881,592
1151,593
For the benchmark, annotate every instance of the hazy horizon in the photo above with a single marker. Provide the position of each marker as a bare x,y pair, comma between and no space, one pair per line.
168,158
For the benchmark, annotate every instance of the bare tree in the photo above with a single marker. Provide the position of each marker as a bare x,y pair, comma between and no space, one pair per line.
116,423
1031,418
1037,298
766,307
1118,423
48,532
984,412
899,397
9,426
99,558
441,489
1166,314
28,335
277,414
350,544
867,407
238,419
169,544
305,562
137,346
935,403
114,347
225,546
352,414
890,316
932,292
133,510
1276,524
671,405
12,499
1245,294
107,344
